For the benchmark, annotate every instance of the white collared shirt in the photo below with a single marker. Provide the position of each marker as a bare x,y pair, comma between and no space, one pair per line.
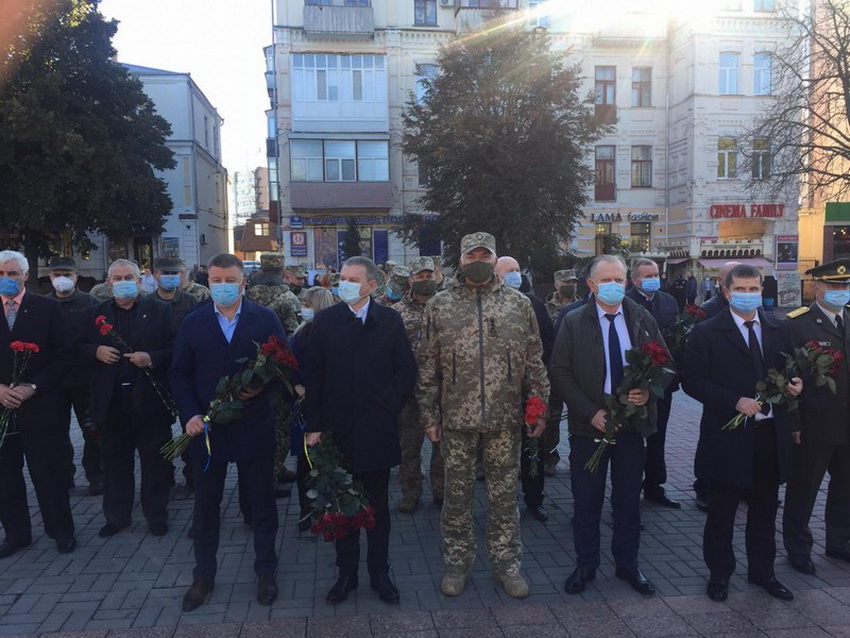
739,321
361,314
622,333
829,314
228,326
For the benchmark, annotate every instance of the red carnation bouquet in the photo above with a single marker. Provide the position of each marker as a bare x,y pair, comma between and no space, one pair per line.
274,361
22,352
677,333
647,368
535,409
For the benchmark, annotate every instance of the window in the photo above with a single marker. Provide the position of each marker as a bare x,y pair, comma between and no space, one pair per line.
307,161
424,72
604,190
641,166
762,74
423,174
764,6
761,158
640,237
261,229
727,158
489,4
642,86
340,161
538,18
425,13
328,77
373,163
728,81
731,5
606,92
603,234
206,131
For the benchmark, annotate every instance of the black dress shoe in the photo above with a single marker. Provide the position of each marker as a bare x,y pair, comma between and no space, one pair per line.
637,580
774,588
717,590
159,528
267,589
7,547
660,496
702,503
386,589
110,529
539,513
283,492
197,594
286,476
66,545
578,580
343,585
833,553
802,564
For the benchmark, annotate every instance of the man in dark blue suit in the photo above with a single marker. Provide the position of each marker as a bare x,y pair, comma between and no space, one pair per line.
210,341
724,359
361,373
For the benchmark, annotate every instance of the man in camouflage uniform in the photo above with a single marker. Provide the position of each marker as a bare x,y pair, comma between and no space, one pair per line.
268,289
423,287
102,291
295,277
193,288
397,285
480,352
333,286
566,284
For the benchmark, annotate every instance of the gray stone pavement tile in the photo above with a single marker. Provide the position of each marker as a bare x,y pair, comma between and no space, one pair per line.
343,627
551,630
144,632
222,630
468,632
399,622
457,619
711,623
810,632
280,628
528,614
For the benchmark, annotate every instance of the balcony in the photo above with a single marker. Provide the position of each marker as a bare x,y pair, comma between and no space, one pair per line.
352,19
340,195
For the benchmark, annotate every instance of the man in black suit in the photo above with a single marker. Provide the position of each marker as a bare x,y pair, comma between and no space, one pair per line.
724,359
361,373
128,410
824,442
35,430
587,363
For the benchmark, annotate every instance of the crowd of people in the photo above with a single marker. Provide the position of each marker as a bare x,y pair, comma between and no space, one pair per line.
387,359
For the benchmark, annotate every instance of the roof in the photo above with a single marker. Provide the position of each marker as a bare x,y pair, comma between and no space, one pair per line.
146,70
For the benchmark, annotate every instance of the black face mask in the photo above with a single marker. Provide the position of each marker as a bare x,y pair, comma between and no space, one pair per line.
296,290
424,288
567,290
478,271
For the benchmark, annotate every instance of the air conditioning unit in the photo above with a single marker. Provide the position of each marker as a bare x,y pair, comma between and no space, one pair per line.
447,4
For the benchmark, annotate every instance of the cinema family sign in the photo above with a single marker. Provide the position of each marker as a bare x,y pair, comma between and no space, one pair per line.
728,211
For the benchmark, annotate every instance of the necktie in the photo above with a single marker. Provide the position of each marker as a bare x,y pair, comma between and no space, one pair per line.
839,323
615,356
11,313
755,351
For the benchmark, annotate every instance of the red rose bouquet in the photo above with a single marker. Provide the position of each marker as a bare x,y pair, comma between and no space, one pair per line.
647,368
535,409
22,352
677,333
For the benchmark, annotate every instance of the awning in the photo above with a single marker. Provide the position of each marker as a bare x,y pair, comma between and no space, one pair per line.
677,260
717,264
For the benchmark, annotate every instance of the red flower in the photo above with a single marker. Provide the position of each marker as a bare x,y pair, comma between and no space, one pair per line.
695,311
24,346
276,350
534,409
657,353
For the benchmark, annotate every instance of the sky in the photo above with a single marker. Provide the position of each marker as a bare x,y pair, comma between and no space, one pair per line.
220,43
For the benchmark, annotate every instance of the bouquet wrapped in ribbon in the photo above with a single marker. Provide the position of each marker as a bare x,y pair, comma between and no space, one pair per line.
535,409
338,503
676,334
647,368
274,361
815,364
22,352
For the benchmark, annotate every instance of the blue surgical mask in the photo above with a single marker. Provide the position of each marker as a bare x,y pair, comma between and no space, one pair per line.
225,294
9,287
392,295
349,292
513,279
650,284
745,301
611,293
169,282
335,291
836,298
125,289
307,314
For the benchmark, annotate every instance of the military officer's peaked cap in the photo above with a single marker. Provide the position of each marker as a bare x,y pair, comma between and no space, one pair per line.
836,271
477,240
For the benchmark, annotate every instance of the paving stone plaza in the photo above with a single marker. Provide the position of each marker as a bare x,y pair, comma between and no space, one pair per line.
132,584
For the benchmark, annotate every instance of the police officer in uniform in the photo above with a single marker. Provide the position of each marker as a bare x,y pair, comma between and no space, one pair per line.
824,442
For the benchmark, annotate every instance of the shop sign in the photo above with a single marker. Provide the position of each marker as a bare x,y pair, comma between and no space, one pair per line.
298,243
372,220
787,248
729,211
296,222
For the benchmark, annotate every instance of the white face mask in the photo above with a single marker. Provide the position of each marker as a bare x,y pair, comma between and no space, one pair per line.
63,284
307,314
349,292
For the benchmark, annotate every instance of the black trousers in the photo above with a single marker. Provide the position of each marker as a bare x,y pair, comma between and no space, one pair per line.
376,484
627,458
532,486
123,433
76,398
811,461
655,468
40,443
256,478
761,515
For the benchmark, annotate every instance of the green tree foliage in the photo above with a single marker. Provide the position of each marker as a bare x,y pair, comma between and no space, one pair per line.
351,242
503,134
79,140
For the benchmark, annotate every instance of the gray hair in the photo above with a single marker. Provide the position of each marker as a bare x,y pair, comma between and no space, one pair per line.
637,262
608,259
368,264
124,262
14,255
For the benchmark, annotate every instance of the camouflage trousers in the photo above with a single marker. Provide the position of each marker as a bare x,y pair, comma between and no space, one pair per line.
501,466
410,475
281,429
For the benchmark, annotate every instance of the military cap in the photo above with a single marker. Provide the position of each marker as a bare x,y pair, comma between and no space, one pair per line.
419,264
835,272
333,279
168,264
399,277
271,261
63,263
297,271
389,265
477,240
565,275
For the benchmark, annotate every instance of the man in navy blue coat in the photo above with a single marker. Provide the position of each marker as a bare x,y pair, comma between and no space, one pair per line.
211,339
361,373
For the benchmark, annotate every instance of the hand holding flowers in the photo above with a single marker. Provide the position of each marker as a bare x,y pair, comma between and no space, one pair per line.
15,394
535,423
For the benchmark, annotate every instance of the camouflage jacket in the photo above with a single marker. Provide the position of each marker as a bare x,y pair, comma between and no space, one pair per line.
411,312
280,299
197,291
479,354
101,291
554,306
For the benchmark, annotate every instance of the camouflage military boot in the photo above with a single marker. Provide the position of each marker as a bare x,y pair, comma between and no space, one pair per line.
514,584
408,504
454,582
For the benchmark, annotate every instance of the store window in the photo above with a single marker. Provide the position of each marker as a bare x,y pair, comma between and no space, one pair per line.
640,237
603,233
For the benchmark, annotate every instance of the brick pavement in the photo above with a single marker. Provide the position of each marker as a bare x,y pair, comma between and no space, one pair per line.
131,584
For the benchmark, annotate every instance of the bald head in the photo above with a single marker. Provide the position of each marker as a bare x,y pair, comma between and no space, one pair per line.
506,265
724,271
